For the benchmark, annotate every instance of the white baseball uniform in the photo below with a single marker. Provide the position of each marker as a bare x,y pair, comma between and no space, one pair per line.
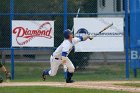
56,59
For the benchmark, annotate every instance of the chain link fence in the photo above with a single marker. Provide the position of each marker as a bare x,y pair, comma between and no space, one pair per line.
30,62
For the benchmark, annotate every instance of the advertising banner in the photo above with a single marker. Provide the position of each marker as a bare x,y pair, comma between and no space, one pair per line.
111,40
30,33
135,33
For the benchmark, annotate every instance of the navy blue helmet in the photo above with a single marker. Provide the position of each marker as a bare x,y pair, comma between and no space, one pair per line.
67,33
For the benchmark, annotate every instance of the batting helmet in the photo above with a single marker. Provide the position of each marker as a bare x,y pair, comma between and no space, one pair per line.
67,33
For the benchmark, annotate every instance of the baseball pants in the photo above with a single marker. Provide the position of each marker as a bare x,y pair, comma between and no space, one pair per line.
55,63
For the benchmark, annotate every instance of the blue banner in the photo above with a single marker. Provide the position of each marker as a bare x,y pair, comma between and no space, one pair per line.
135,33
135,58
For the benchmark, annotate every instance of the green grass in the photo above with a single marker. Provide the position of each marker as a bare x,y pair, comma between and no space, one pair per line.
32,72
130,84
29,72
43,89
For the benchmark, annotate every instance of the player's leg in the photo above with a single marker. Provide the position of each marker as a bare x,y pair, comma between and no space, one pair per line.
54,67
70,71
53,70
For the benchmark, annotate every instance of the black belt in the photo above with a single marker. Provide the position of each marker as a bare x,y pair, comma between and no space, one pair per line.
57,58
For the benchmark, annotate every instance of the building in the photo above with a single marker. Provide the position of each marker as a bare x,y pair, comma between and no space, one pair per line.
110,6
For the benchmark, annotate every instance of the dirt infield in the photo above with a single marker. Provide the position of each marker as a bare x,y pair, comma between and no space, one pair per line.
109,85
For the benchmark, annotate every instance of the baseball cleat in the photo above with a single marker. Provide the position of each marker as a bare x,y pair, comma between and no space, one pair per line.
43,76
70,81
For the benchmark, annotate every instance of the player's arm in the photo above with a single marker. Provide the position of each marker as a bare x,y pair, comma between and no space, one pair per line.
85,37
82,38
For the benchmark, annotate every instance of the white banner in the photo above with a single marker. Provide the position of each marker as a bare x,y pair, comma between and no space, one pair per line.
110,40
30,33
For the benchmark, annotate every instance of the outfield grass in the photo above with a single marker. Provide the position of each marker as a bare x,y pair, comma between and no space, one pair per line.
29,72
43,89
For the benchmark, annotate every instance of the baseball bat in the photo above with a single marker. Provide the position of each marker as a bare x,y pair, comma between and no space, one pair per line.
104,29
76,17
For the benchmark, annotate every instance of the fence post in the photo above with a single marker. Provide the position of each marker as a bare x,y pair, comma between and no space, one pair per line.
126,40
65,14
65,27
12,49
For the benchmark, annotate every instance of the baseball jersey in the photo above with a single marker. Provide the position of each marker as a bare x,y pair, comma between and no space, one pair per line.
66,46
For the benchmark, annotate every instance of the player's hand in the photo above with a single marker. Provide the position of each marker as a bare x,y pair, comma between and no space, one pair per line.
91,37
64,62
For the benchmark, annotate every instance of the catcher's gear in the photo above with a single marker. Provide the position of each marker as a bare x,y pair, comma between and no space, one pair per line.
8,75
1,79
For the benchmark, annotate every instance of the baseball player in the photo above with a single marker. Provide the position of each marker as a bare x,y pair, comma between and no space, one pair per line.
7,74
60,56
